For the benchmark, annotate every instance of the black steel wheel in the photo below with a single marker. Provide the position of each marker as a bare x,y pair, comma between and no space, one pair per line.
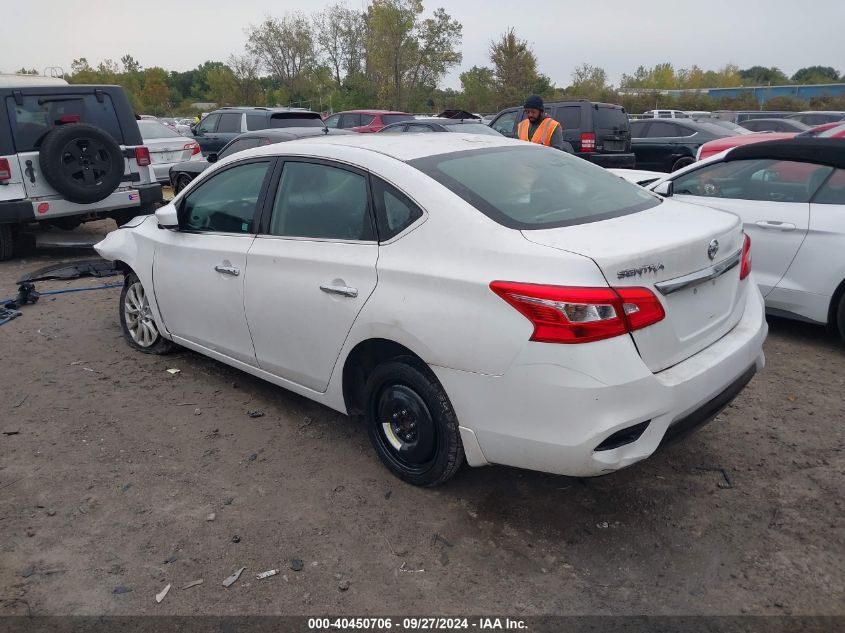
411,423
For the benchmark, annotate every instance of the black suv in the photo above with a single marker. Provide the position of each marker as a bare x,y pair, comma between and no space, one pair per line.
221,126
69,154
598,132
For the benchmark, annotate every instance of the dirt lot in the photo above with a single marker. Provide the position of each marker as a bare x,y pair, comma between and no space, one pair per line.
110,466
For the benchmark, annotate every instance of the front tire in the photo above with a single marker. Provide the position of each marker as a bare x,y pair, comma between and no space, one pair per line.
411,423
7,241
136,320
682,162
840,318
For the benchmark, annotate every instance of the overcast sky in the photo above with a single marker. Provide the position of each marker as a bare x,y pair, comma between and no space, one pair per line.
613,34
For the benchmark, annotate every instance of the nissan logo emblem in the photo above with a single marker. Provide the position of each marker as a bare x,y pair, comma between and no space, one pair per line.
712,249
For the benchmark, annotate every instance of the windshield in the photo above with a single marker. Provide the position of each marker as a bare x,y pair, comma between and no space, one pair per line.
472,128
154,129
535,187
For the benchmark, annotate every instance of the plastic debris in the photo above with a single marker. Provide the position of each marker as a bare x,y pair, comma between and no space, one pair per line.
193,583
255,414
121,589
407,569
231,580
160,596
296,564
197,411
343,585
174,371
211,517
236,539
602,526
170,559
26,573
266,574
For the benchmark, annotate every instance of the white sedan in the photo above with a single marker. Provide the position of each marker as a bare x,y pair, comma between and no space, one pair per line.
167,147
790,195
475,298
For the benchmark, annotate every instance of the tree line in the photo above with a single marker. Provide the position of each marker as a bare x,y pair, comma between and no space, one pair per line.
389,55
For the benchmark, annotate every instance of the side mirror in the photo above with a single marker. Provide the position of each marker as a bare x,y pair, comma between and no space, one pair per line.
665,189
167,217
196,131
212,158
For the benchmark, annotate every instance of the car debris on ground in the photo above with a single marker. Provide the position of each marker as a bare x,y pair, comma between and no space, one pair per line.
160,596
231,580
266,574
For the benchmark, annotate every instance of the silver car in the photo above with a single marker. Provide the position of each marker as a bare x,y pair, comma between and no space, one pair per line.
167,147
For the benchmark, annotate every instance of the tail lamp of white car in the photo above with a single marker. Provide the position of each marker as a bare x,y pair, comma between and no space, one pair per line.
562,314
745,262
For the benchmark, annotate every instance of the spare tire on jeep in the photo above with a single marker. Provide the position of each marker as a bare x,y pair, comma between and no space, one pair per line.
81,162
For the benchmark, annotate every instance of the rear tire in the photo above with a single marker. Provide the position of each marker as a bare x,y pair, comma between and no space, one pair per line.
136,320
411,423
7,241
683,162
840,318
181,182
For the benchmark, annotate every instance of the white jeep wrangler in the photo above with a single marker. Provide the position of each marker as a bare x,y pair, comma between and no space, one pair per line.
69,154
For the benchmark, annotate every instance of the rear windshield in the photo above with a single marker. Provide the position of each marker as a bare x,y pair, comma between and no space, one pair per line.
37,115
605,118
387,119
154,129
534,187
472,128
296,119
713,128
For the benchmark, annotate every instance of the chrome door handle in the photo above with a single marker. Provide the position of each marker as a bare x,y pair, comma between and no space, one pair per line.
228,270
345,291
779,226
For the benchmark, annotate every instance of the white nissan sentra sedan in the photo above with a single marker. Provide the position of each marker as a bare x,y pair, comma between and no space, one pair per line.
474,298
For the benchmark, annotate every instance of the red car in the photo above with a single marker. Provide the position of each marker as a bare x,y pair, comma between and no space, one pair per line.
365,120
831,130
712,148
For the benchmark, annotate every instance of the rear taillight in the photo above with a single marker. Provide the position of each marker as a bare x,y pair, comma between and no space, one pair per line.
745,262
195,149
142,156
588,142
562,314
5,169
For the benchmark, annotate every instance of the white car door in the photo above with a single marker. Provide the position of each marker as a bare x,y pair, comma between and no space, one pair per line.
771,197
311,270
808,286
200,269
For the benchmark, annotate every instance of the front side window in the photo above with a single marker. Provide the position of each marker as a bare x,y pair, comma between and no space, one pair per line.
350,120
320,201
226,202
758,179
333,121
506,123
394,210
209,123
531,187
230,122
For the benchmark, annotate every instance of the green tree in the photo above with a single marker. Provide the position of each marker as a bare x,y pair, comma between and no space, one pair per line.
763,76
285,47
514,67
24,71
478,85
130,64
155,95
244,70
816,75
589,81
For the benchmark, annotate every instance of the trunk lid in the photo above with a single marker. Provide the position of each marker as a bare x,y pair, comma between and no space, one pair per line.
168,150
654,249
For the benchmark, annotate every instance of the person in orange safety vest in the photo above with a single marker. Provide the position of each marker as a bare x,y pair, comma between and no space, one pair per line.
537,127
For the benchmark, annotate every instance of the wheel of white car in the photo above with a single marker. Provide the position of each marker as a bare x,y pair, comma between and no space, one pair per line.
840,317
411,423
136,319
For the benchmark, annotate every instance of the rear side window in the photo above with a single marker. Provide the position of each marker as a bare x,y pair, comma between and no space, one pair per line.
569,117
256,122
661,129
37,115
639,129
348,121
240,145
387,119
367,119
394,210
230,122
610,119
295,119
534,188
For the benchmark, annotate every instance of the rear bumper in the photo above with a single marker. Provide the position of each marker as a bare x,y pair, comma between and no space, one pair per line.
16,212
554,408
624,161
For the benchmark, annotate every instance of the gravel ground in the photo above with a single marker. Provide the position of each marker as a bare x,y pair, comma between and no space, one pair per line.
111,469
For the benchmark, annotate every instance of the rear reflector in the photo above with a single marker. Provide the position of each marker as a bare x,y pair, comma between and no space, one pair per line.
745,262
562,314
5,169
588,142
142,156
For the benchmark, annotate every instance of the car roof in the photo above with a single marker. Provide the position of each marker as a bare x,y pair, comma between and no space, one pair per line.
404,147
440,121
295,132
263,109
371,112
820,151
